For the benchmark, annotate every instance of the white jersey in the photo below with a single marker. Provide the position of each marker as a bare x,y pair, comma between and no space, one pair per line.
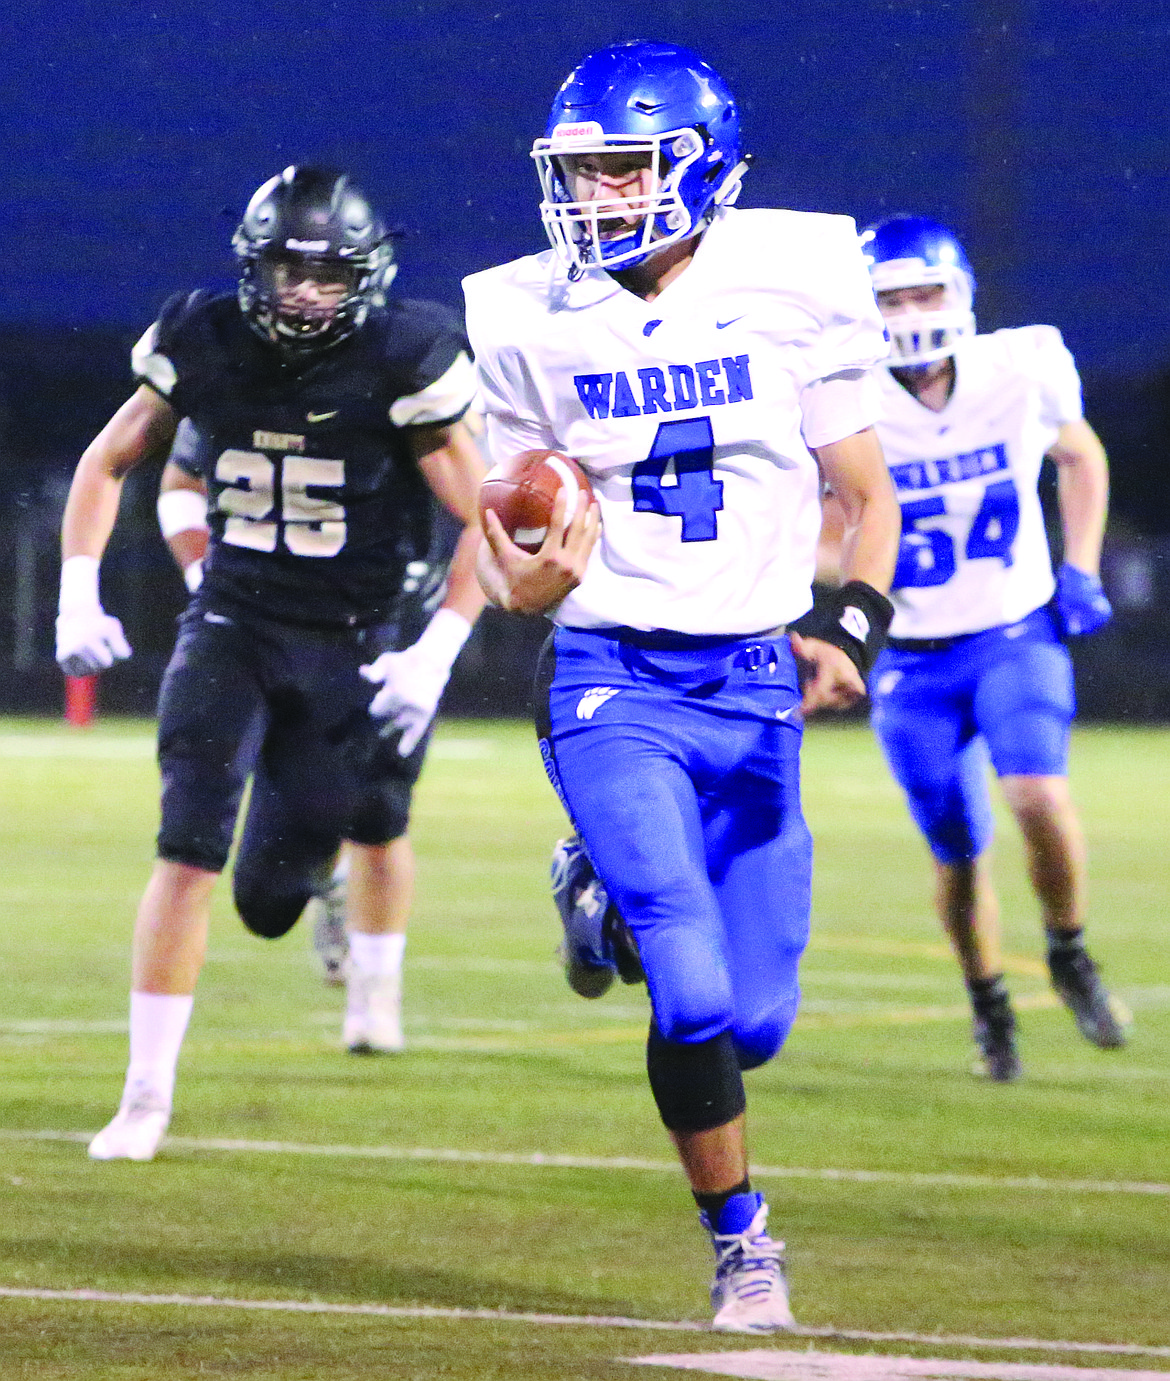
974,553
692,414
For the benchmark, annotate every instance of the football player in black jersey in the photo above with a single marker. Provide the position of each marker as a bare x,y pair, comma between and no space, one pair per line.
332,416
182,517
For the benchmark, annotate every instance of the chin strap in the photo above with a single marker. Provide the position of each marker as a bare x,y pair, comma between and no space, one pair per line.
730,187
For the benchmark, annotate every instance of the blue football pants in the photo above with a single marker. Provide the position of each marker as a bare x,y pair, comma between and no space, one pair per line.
679,764
1004,694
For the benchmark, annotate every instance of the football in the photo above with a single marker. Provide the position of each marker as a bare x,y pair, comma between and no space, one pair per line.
522,492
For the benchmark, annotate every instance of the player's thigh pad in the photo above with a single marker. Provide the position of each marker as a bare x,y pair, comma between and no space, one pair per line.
1025,705
925,724
385,790
759,858
211,719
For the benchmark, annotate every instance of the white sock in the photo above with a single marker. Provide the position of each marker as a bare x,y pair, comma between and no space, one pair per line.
377,955
158,1023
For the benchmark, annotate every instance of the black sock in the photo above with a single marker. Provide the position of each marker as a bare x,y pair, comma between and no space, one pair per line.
987,992
712,1204
1065,941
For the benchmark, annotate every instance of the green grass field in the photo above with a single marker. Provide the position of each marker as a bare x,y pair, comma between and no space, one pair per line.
1054,1224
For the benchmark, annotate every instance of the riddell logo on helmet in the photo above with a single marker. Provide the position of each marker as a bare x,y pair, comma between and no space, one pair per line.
307,246
590,129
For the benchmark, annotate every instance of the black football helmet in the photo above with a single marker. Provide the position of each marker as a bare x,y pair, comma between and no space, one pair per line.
311,222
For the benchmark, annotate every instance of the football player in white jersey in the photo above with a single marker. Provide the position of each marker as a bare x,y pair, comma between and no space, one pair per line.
976,665
705,366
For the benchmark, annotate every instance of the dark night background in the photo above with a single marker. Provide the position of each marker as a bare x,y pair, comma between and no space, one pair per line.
134,136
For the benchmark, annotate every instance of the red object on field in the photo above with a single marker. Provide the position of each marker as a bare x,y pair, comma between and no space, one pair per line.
80,700
522,492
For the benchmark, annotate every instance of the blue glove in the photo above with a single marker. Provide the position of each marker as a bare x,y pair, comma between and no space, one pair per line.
1081,606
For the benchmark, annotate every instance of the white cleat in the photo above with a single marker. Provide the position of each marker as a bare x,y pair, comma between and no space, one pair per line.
136,1130
373,1017
750,1293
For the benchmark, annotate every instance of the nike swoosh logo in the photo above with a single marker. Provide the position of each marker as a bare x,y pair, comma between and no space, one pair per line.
723,325
215,618
651,326
321,416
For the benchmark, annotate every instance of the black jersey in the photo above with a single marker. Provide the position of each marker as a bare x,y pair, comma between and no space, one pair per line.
315,502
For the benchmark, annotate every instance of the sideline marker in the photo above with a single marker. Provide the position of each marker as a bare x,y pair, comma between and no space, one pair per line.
80,700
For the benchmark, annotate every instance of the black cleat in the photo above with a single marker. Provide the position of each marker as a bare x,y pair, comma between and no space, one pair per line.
1100,1017
994,1029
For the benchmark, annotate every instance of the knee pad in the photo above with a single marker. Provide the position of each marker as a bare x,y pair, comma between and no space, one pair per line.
697,1086
265,912
198,815
954,813
271,889
383,814
756,1045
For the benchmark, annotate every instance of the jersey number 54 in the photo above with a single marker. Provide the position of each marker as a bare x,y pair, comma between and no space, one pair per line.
926,555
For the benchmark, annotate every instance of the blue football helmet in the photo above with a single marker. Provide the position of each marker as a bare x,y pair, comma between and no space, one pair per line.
639,98
912,252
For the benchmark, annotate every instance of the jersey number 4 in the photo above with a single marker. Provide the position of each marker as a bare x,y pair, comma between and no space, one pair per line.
926,555
310,527
696,496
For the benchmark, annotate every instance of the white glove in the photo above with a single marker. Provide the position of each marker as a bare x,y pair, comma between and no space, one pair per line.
412,681
88,639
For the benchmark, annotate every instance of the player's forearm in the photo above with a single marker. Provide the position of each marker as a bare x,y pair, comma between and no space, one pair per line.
870,547
188,546
1082,479
871,521
465,596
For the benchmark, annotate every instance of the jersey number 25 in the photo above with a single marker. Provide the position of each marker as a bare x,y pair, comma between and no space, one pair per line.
310,527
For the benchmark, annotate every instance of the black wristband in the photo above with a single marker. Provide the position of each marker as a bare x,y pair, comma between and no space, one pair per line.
854,618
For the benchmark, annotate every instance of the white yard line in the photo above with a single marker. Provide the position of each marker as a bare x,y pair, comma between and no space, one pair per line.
556,1161
770,1365
395,1311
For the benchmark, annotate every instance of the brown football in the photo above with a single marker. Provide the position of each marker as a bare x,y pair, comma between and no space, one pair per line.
522,492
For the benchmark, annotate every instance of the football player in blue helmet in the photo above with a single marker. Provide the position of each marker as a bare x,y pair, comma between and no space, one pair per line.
642,147
924,263
976,668
672,597
314,257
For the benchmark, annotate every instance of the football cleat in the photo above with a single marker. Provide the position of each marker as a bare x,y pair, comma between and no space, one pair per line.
330,941
136,1130
1100,1017
994,1029
373,1016
750,1291
598,944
